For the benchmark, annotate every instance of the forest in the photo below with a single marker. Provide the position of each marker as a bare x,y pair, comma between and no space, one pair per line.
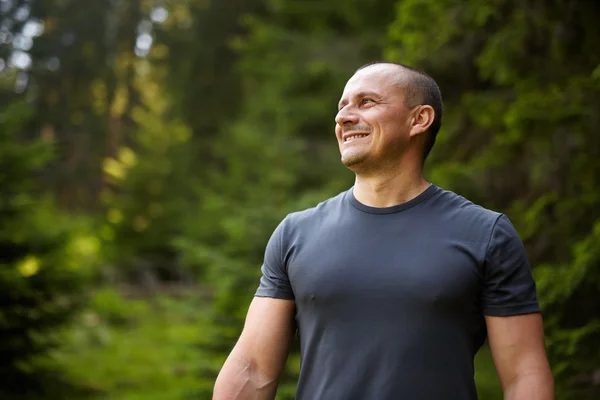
148,148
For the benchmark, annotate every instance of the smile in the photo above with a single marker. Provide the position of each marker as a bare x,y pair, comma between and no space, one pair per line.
355,136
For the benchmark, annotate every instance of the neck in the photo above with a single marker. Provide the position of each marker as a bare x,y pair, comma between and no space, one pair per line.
389,188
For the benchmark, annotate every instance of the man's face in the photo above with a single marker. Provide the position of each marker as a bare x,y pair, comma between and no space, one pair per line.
372,124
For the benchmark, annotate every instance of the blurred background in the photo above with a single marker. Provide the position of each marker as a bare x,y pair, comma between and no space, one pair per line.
148,148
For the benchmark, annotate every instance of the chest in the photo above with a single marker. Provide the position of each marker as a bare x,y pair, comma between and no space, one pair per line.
392,266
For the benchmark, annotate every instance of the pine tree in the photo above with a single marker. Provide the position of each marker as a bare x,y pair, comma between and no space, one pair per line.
40,278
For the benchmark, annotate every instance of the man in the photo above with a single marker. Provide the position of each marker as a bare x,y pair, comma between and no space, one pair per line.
394,283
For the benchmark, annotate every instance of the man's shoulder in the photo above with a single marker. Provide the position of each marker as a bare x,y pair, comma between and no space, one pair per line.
461,209
318,212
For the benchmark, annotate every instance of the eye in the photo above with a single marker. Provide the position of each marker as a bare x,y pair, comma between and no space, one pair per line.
366,100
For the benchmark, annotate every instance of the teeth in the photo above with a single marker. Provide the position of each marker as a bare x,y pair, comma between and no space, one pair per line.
349,138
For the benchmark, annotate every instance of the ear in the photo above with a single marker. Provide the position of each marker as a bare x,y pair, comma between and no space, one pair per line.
422,119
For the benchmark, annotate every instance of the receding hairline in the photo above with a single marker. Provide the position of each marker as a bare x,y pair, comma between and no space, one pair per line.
405,81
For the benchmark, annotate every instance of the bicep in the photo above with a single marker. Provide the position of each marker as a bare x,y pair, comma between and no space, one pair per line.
267,335
517,345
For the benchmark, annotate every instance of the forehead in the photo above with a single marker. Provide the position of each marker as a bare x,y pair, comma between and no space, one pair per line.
385,79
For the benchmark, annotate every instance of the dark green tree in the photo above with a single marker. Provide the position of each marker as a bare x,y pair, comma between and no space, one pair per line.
40,274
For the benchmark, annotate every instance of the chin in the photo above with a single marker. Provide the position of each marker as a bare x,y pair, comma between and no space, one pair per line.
352,160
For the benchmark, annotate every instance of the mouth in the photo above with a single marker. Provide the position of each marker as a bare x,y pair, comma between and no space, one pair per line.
353,136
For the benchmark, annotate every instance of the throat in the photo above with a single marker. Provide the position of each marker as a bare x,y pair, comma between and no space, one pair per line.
387,192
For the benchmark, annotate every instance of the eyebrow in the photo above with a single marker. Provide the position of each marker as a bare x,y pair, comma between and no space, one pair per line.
360,95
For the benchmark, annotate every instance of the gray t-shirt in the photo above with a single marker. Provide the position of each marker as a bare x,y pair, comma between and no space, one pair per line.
390,302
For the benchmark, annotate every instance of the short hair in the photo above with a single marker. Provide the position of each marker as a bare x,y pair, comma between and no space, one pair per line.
420,89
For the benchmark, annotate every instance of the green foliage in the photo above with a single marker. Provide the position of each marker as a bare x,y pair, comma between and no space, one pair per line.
40,270
520,136
134,348
148,198
110,306
574,336
184,160
486,378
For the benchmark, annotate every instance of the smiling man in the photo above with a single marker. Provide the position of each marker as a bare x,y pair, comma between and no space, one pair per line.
394,284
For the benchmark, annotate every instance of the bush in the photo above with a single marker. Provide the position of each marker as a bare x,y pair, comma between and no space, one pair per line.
41,274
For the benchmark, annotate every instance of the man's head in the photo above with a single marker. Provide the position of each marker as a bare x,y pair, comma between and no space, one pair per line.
386,111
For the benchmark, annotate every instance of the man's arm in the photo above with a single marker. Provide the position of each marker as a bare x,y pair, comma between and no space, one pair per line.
517,345
253,367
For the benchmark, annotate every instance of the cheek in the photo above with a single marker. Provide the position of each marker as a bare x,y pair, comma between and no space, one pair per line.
338,131
393,125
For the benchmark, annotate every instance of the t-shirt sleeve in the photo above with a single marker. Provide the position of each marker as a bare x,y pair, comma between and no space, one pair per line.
509,288
274,281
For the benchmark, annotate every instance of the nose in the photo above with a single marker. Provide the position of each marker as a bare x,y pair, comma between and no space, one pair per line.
346,117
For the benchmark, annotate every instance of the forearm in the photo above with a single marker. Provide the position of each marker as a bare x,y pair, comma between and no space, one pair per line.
532,386
238,380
